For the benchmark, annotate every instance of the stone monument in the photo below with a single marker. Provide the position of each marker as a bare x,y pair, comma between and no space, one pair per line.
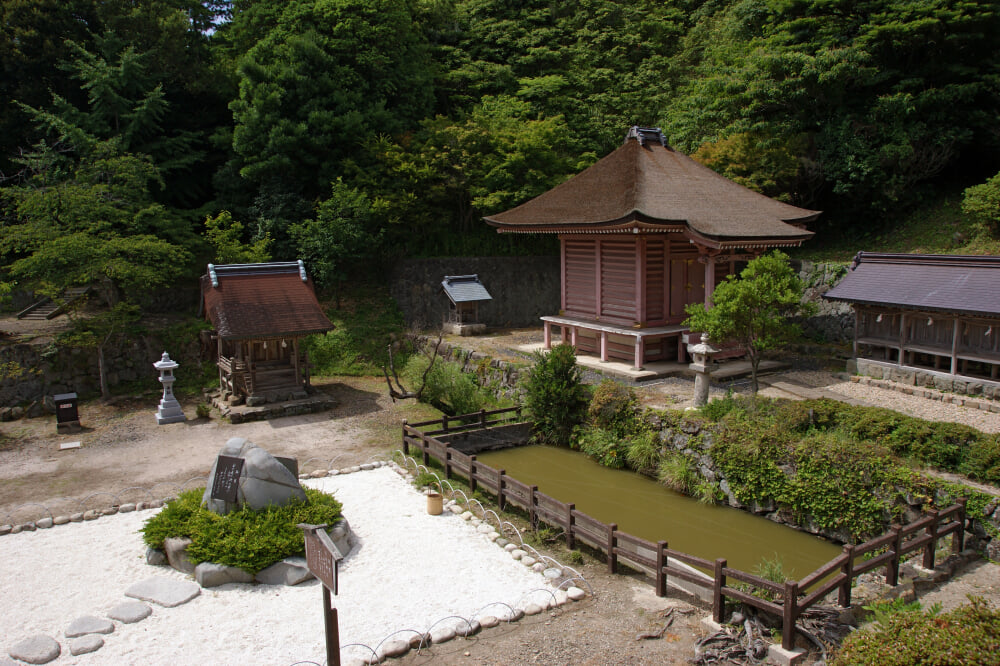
260,481
170,410
701,354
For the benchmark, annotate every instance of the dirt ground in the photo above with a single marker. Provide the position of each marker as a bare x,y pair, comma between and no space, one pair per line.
124,453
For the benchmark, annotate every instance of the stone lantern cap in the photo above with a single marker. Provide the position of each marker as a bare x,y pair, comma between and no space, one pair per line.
702,348
165,363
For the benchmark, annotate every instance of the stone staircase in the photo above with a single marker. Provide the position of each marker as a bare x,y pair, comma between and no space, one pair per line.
49,309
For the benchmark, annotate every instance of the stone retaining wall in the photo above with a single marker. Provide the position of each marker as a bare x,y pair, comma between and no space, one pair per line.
915,381
41,371
694,442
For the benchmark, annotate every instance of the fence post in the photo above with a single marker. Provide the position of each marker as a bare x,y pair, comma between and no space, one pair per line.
472,474
482,417
661,564
928,562
958,538
789,615
612,545
425,447
844,595
570,525
444,423
532,513
500,499
719,599
892,567
447,461
406,445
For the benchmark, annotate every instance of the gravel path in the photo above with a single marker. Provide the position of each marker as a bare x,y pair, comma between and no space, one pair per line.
409,571
925,408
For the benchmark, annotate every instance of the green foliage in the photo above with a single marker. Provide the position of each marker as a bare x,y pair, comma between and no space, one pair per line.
772,569
203,411
555,395
248,539
604,446
226,236
715,410
677,472
754,309
643,453
883,610
363,327
448,388
333,244
970,631
982,204
614,407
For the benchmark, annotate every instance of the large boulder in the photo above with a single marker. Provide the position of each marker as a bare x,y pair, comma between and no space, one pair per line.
263,482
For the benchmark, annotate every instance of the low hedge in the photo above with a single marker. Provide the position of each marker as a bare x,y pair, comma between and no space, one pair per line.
248,539
969,634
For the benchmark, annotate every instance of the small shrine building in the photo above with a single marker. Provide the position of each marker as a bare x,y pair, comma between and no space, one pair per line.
642,233
260,312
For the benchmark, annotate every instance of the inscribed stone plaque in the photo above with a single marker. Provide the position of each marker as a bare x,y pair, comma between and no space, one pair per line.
227,478
291,464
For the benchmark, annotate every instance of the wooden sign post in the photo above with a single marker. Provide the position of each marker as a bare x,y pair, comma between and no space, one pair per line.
322,558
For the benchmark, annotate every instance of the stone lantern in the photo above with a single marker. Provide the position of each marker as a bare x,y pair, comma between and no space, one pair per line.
170,410
702,355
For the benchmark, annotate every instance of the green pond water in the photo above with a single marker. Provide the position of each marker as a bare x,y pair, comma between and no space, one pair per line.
646,509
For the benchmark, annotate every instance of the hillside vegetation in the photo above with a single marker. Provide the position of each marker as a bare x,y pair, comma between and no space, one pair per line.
140,141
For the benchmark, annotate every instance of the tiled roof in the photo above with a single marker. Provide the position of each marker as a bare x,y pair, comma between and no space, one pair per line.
649,183
465,289
247,301
952,283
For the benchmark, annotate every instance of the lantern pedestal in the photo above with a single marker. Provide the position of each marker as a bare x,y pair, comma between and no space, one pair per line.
702,355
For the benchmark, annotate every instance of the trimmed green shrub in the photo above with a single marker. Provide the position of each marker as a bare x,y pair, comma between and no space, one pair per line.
555,395
643,452
678,473
969,634
248,539
614,407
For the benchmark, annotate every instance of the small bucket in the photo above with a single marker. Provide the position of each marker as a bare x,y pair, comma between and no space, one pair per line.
435,504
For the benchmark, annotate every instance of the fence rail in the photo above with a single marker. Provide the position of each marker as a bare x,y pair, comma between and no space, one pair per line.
789,599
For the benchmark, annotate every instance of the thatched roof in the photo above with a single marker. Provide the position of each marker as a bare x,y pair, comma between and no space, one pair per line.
648,186
252,301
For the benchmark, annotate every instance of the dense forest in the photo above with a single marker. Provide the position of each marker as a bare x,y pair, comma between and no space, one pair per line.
140,139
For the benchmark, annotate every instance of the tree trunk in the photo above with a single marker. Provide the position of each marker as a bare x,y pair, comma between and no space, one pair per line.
102,373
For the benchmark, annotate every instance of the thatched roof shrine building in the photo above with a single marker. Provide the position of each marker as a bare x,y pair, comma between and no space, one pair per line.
644,232
260,312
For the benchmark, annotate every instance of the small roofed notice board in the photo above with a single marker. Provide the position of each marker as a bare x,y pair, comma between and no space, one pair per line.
227,478
322,555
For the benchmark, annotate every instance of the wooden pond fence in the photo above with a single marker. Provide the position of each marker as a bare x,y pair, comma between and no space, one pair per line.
787,600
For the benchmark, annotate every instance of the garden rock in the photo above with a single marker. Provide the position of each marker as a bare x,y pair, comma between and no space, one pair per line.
130,612
176,551
263,482
155,557
342,536
576,594
532,609
164,591
85,645
36,650
470,629
209,574
88,624
489,621
395,648
442,635
289,571
44,523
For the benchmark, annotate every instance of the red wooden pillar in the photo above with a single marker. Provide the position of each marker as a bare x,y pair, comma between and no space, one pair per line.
604,345
562,276
709,280
640,279
597,278
548,329
640,351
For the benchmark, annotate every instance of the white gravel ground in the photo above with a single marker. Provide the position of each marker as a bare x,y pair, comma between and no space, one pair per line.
409,571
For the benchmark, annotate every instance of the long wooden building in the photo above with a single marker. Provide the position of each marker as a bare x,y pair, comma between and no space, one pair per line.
935,313
644,232
260,312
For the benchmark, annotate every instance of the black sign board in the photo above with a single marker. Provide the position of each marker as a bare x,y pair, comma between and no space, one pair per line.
322,555
291,464
66,407
227,478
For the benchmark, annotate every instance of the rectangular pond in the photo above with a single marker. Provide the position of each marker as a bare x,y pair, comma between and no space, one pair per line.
644,508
